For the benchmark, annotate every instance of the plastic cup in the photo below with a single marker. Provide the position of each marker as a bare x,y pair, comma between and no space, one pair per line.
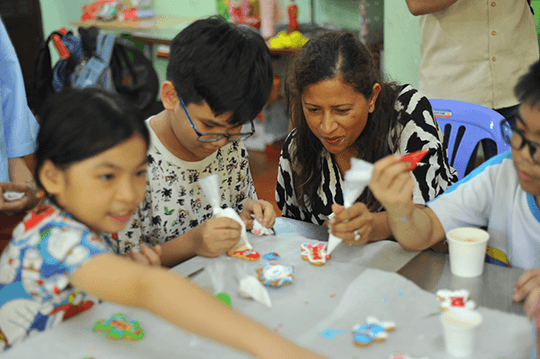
459,328
467,247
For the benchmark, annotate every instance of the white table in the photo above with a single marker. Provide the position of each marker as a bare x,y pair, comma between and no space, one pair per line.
355,283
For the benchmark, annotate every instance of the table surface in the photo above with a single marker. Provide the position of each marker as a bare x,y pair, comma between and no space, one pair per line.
319,309
430,270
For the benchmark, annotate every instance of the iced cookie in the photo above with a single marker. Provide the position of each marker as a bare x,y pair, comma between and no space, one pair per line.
260,230
455,299
272,256
118,327
315,253
372,331
242,251
275,275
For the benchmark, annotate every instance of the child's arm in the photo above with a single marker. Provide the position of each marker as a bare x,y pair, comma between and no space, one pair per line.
146,255
414,227
263,210
525,285
182,303
210,239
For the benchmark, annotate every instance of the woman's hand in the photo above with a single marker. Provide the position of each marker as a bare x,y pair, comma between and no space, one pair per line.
392,185
353,225
526,284
147,255
262,210
30,199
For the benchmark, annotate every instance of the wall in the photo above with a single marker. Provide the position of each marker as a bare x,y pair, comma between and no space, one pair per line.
343,13
401,43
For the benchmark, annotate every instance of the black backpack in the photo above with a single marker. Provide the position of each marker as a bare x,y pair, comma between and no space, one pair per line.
132,72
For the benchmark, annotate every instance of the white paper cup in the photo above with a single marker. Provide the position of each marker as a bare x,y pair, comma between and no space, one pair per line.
467,247
459,327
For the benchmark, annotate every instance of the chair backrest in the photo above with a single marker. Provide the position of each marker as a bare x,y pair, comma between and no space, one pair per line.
464,125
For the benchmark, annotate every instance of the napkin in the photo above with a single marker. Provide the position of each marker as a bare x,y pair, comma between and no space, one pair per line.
12,196
250,287
210,188
356,180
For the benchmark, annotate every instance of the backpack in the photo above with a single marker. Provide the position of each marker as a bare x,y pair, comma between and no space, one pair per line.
94,59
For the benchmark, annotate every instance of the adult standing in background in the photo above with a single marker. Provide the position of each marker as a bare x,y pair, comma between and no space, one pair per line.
475,50
18,131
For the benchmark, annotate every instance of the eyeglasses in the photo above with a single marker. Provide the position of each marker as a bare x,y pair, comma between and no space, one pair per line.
213,137
516,139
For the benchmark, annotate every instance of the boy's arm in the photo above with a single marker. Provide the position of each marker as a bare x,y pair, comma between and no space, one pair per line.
180,302
422,7
414,227
209,239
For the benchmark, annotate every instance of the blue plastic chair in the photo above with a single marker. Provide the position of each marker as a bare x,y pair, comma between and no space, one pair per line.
464,125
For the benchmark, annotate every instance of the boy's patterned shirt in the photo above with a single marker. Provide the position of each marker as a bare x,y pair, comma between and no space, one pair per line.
174,202
47,247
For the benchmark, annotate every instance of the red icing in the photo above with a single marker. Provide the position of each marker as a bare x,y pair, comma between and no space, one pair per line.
457,301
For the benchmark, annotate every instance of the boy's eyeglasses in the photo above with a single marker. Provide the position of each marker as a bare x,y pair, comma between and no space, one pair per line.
213,137
516,139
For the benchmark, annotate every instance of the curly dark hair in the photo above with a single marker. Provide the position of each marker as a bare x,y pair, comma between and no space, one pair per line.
326,56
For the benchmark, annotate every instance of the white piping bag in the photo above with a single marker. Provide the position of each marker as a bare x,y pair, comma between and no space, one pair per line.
355,181
210,188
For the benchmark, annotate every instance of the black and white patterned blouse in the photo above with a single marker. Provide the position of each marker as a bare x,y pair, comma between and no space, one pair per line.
421,131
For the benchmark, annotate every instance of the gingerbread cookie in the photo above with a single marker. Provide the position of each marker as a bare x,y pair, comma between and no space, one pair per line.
455,299
372,331
260,230
118,327
272,256
242,251
275,275
315,253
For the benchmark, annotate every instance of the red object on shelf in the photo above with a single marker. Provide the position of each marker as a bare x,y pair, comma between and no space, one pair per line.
89,11
293,16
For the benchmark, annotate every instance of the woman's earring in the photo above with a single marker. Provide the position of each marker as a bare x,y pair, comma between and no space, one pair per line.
371,108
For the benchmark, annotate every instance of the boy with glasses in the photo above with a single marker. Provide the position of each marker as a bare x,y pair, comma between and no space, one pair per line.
503,194
219,77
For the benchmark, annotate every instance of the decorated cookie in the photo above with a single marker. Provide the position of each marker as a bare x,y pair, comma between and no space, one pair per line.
404,356
455,299
272,256
260,230
372,331
275,275
118,327
315,253
242,251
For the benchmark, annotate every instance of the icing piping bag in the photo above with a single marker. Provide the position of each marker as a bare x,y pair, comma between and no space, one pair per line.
210,188
414,157
355,181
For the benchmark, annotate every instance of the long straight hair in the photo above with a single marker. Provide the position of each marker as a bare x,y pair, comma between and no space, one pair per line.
338,54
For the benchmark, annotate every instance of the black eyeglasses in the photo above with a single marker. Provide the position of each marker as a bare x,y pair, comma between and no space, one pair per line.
213,137
516,139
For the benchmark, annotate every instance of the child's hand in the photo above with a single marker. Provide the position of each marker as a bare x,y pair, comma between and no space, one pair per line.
532,304
216,236
146,255
345,222
263,210
30,199
525,285
392,184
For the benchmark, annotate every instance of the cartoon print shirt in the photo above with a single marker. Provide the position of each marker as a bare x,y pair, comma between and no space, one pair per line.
47,247
174,202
